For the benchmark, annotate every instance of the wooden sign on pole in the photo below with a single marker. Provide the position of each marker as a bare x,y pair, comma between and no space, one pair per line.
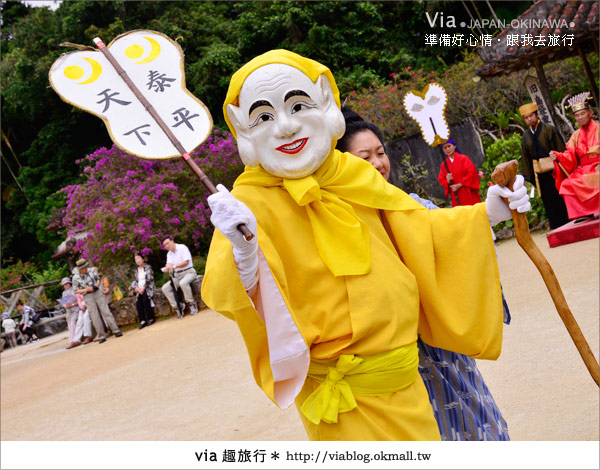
136,85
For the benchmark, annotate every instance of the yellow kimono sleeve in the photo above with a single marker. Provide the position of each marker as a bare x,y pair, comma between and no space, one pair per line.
278,352
222,291
451,254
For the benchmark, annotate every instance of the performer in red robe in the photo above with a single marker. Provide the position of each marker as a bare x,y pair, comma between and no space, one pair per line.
580,160
462,179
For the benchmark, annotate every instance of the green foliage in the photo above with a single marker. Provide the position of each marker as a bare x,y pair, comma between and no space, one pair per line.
199,264
503,150
360,41
489,103
492,104
413,176
17,274
52,272
501,119
376,51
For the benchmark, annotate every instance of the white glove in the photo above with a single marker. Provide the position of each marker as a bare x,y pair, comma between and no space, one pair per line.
497,210
227,214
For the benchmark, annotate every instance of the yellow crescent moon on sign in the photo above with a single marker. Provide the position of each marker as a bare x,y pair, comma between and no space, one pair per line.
96,71
154,52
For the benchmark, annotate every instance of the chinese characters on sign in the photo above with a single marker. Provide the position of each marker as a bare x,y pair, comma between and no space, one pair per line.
159,82
108,98
517,40
535,92
153,63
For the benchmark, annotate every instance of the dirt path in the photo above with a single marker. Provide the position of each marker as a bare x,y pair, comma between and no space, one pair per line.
190,380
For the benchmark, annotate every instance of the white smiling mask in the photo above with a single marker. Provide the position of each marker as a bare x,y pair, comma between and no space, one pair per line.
286,122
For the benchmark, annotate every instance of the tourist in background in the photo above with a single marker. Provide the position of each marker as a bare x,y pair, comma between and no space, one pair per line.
83,329
10,328
143,284
88,284
28,318
179,263
69,302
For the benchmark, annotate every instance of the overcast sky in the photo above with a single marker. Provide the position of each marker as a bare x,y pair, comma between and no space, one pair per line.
41,3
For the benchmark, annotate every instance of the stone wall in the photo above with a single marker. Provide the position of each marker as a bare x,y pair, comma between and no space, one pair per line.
124,311
51,325
465,135
126,314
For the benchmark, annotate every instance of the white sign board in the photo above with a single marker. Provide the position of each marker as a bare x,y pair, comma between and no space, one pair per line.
428,109
154,63
533,87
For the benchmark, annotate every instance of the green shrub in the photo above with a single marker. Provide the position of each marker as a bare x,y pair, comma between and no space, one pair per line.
17,274
413,177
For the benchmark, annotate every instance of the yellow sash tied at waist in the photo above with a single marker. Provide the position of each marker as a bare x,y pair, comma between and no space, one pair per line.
351,375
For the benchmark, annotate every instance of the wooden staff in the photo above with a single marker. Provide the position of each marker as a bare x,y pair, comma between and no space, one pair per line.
451,182
504,175
186,157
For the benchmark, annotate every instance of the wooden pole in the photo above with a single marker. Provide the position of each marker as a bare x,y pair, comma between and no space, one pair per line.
492,10
589,74
451,182
445,163
545,88
186,157
504,175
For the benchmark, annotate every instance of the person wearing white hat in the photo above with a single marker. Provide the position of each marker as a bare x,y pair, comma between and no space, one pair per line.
83,328
80,325
87,284
10,328
69,302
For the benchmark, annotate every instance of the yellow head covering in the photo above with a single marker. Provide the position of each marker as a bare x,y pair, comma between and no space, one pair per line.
309,67
528,109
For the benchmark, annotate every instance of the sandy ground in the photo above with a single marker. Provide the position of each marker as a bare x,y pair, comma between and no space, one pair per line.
190,379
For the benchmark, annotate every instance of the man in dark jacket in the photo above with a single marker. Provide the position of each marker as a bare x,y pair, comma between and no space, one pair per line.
537,166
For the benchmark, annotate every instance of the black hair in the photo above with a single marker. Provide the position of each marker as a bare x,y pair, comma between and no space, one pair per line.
354,125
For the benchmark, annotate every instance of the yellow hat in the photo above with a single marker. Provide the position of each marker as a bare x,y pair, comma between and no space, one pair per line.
309,67
528,109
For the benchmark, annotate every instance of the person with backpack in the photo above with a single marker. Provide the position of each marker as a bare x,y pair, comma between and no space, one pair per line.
28,319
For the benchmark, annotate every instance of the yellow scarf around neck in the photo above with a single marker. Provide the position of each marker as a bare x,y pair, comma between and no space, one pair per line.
342,239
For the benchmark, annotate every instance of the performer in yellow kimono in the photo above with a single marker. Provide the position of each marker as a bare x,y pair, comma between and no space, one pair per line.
345,269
